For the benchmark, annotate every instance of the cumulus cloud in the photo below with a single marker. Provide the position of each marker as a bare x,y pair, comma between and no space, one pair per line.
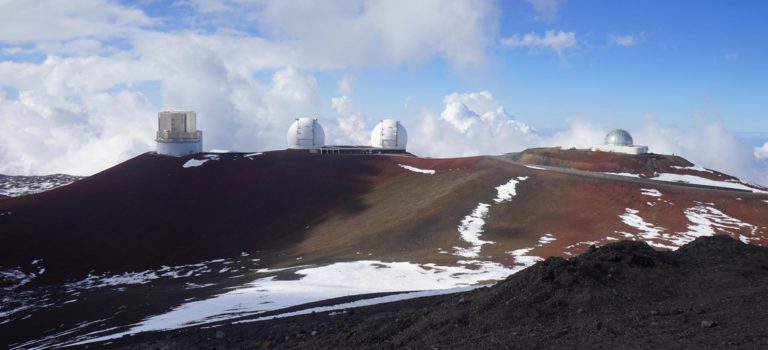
762,152
78,110
557,41
470,124
48,20
353,33
708,144
476,124
350,128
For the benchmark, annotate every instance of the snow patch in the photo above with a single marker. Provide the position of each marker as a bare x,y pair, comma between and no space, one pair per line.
694,168
417,170
194,163
522,258
708,221
704,219
696,180
650,192
470,229
546,239
648,232
508,190
624,174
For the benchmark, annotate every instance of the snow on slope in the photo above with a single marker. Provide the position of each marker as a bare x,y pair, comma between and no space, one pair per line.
417,170
192,163
351,278
15,186
650,192
472,225
508,190
705,220
316,284
470,229
694,168
696,180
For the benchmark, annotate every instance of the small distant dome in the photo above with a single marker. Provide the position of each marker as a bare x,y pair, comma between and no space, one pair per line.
619,137
389,134
306,133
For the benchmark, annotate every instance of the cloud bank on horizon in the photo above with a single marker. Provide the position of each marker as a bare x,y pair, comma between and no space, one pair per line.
81,82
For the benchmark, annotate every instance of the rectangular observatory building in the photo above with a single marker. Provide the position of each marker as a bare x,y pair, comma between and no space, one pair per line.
177,133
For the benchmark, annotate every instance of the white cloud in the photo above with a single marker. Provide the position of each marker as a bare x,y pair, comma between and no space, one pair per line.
476,124
557,41
47,134
470,124
351,33
626,40
49,20
546,9
77,110
708,144
762,152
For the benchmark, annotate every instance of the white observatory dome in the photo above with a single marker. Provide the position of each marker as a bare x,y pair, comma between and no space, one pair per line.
306,133
618,137
389,134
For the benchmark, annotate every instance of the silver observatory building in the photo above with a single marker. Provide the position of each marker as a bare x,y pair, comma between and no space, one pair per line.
177,133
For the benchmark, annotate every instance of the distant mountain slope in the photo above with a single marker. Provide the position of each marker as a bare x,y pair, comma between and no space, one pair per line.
156,210
651,166
15,186
216,236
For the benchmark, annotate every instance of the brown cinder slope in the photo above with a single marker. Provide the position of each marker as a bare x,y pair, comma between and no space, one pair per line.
150,211
708,294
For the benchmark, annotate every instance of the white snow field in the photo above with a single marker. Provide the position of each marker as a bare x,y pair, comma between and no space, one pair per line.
320,283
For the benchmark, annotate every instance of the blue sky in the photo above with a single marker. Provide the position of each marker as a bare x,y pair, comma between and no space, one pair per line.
705,58
466,77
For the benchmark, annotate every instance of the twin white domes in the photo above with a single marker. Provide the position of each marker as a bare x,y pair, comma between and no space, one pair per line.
307,133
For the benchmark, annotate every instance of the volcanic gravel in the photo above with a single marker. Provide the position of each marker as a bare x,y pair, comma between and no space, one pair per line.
711,293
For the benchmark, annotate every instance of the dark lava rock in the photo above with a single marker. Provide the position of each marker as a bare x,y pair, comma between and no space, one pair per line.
623,295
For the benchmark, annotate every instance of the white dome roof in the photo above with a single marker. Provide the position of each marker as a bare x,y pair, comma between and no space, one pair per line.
619,137
389,134
306,133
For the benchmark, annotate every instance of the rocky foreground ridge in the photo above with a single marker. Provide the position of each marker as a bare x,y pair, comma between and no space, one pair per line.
711,293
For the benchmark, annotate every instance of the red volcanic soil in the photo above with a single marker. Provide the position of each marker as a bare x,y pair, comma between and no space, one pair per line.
645,165
151,211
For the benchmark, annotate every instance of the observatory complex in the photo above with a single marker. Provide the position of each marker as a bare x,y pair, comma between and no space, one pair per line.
177,133
388,136
620,141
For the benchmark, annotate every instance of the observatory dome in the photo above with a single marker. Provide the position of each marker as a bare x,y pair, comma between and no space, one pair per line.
618,137
389,134
306,133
